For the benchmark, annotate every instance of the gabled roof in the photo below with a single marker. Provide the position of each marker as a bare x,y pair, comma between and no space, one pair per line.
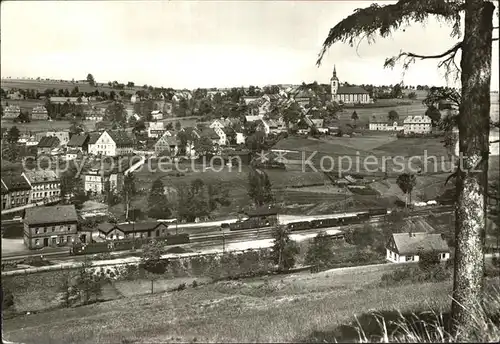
15,183
413,243
77,140
252,118
210,133
48,142
133,227
351,90
40,176
121,138
53,214
93,137
417,119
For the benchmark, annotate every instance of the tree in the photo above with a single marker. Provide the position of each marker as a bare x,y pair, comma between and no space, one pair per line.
90,79
88,284
412,95
406,183
68,181
130,84
397,92
128,191
76,127
193,201
393,116
204,147
13,135
158,207
292,113
434,114
259,187
178,126
320,252
115,112
24,117
473,124
284,249
354,116
151,259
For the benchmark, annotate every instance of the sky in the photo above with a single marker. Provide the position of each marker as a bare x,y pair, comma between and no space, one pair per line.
190,44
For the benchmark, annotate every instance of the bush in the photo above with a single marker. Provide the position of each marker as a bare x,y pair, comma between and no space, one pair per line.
320,253
7,298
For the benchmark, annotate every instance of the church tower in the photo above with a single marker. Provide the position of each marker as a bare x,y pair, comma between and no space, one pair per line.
334,82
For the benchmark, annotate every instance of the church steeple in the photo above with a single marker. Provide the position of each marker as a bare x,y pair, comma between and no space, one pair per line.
334,83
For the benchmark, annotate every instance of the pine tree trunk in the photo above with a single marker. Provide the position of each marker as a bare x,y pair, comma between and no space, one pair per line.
473,124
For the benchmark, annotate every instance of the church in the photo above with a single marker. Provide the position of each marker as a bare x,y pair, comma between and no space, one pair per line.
348,94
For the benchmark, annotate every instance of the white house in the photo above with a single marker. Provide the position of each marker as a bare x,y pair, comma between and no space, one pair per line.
417,125
112,143
157,115
222,136
220,123
379,123
155,129
407,247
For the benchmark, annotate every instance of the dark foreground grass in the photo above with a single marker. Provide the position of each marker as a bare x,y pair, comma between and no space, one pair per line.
269,309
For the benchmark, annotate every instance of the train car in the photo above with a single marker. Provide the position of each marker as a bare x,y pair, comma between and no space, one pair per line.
297,226
322,223
363,216
249,224
348,220
377,211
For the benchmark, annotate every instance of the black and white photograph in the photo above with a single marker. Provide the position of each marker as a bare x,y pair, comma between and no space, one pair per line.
281,171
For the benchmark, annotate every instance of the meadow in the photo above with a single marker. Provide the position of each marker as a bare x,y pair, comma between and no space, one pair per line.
290,308
42,85
37,126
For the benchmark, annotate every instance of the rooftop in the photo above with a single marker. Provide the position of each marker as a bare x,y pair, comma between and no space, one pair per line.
48,142
53,214
39,176
77,140
15,183
412,243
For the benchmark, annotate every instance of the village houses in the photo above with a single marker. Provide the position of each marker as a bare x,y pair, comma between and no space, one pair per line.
45,185
79,143
39,113
111,143
408,247
155,129
11,112
381,123
105,175
167,143
47,144
417,125
146,230
52,226
16,190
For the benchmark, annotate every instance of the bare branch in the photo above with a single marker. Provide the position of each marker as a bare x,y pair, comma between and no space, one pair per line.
496,141
409,58
383,20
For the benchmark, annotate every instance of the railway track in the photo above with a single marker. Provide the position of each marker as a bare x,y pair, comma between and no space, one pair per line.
216,237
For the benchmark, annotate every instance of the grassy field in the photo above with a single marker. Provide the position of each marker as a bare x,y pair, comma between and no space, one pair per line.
270,309
35,126
42,85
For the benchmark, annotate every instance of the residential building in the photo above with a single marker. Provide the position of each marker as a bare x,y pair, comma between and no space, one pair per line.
47,144
79,142
155,129
11,112
252,118
212,135
417,125
112,143
18,191
51,226
104,175
73,154
95,114
222,132
157,115
45,185
167,143
408,247
220,123
348,94
63,136
39,113
32,141
381,123
132,230
268,126
193,134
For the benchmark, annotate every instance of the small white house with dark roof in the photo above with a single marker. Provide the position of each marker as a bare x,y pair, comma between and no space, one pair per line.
408,247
